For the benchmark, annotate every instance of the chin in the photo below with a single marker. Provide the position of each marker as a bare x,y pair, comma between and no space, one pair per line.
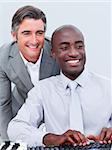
76,72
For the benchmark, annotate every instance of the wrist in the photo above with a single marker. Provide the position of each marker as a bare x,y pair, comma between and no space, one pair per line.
46,139
50,139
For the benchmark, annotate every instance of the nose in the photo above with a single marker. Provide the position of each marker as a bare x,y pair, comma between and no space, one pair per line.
34,39
73,51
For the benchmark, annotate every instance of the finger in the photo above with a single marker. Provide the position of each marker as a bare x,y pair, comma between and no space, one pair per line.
84,140
92,137
64,140
80,138
73,135
102,135
110,141
108,135
76,137
68,137
71,141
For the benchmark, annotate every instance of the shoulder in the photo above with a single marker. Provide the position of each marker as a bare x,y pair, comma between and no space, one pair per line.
48,83
6,52
47,44
98,80
51,80
7,46
5,49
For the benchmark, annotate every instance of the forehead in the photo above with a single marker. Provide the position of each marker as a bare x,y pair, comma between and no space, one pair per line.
31,23
68,35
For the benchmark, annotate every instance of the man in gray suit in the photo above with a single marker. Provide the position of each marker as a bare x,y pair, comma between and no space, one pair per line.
23,62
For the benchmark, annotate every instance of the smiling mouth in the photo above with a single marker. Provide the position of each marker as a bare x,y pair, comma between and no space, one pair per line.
33,47
73,62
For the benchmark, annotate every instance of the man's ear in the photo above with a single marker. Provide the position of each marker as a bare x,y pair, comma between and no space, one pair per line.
53,53
14,35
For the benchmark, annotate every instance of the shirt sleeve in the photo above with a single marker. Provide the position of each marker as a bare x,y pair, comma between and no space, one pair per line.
24,127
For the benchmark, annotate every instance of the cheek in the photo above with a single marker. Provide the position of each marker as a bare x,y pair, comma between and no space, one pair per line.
22,40
84,56
22,46
21,43
83,53
41,39
60,62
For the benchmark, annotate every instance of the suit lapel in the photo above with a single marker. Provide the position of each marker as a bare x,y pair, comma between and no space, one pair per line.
19,67
46,65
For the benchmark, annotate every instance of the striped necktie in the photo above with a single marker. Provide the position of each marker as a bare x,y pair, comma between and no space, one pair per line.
76,120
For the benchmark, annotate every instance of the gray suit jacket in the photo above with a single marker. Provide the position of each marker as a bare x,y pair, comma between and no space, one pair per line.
13,70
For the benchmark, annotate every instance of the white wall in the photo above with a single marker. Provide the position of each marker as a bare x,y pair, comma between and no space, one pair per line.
92,18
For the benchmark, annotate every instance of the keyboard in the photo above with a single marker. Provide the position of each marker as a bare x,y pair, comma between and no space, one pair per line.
22,146
91,146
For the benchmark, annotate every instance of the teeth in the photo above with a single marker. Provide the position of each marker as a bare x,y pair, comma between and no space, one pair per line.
32,46
73,61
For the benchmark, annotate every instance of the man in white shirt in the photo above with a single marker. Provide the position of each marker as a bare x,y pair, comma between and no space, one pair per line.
50,100
23,62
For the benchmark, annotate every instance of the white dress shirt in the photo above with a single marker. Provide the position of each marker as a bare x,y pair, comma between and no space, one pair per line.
33,68
50,100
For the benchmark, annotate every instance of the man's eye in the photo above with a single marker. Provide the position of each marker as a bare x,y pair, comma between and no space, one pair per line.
26,33
40,33
64,47
79,46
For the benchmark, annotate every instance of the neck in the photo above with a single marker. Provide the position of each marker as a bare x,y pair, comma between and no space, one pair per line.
73,76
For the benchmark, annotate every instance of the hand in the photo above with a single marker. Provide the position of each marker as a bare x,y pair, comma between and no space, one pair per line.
105,136
70,137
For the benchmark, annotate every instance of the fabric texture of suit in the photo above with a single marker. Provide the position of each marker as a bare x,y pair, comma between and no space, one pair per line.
13,70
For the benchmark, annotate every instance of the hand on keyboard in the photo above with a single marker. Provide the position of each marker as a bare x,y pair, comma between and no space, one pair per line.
70,137
105,136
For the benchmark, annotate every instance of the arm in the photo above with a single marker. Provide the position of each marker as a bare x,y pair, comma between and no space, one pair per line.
24,126
5,103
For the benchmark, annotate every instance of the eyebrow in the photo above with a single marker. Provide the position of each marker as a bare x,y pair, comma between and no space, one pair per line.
76,42
62,43
25,31
30,31
79,42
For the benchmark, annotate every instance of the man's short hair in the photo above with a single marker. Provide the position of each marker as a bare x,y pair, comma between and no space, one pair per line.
30,12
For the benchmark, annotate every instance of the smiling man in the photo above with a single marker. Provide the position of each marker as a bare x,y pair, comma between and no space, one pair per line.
52,100
30,37
71,61
23,62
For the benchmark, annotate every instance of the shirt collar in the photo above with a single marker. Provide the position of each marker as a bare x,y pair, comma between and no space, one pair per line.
65,81
81,80
30,63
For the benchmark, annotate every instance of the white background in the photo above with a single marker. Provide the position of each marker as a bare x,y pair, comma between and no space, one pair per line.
93,18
